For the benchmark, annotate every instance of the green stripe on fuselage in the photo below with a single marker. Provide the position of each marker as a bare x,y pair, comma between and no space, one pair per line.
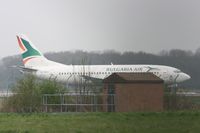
30,50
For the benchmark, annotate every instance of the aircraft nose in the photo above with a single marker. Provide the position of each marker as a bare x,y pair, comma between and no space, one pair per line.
187,77
184,77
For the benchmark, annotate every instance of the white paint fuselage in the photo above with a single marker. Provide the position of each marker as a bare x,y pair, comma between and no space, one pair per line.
35,62
73,73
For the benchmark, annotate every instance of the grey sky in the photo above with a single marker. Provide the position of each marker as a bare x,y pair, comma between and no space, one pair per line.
134,25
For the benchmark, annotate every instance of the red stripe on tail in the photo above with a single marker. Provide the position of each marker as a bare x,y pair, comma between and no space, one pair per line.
20,44
26,60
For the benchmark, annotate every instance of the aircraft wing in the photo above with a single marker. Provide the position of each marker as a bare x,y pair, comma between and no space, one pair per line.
91,78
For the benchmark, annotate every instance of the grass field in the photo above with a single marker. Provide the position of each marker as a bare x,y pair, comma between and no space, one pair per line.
164,122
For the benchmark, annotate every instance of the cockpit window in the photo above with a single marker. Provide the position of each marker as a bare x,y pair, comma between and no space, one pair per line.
177,71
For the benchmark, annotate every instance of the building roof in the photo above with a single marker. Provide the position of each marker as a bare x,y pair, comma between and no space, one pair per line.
144,77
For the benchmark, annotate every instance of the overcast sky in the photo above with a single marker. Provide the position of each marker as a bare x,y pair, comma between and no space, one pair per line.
133,25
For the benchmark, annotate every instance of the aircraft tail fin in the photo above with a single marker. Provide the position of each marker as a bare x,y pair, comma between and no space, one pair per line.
31,56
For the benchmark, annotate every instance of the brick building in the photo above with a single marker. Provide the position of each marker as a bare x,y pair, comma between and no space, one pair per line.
133,92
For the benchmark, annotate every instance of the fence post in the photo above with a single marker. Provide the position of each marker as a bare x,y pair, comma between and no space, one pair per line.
61,103
46,108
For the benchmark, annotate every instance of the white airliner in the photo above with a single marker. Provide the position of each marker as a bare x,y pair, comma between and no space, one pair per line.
35,63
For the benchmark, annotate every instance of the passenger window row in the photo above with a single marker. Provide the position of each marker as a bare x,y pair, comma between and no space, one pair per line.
82,73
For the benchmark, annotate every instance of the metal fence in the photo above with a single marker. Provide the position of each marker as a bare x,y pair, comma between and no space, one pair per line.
76,102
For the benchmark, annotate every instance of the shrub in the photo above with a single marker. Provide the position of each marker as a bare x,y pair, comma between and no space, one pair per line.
28,93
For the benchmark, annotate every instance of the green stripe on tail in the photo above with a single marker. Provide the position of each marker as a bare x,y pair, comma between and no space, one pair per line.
30,50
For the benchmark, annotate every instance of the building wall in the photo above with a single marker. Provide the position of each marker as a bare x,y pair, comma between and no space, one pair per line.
136,97
139,97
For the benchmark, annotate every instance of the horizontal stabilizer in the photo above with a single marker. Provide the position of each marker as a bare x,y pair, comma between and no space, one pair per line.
24,69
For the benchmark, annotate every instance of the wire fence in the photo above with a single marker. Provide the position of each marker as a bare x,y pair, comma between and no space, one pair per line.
76,102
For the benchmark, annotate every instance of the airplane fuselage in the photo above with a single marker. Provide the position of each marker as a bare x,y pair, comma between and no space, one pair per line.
75,73
35,63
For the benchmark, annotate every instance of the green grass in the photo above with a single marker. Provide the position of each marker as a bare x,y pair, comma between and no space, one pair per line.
164,122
